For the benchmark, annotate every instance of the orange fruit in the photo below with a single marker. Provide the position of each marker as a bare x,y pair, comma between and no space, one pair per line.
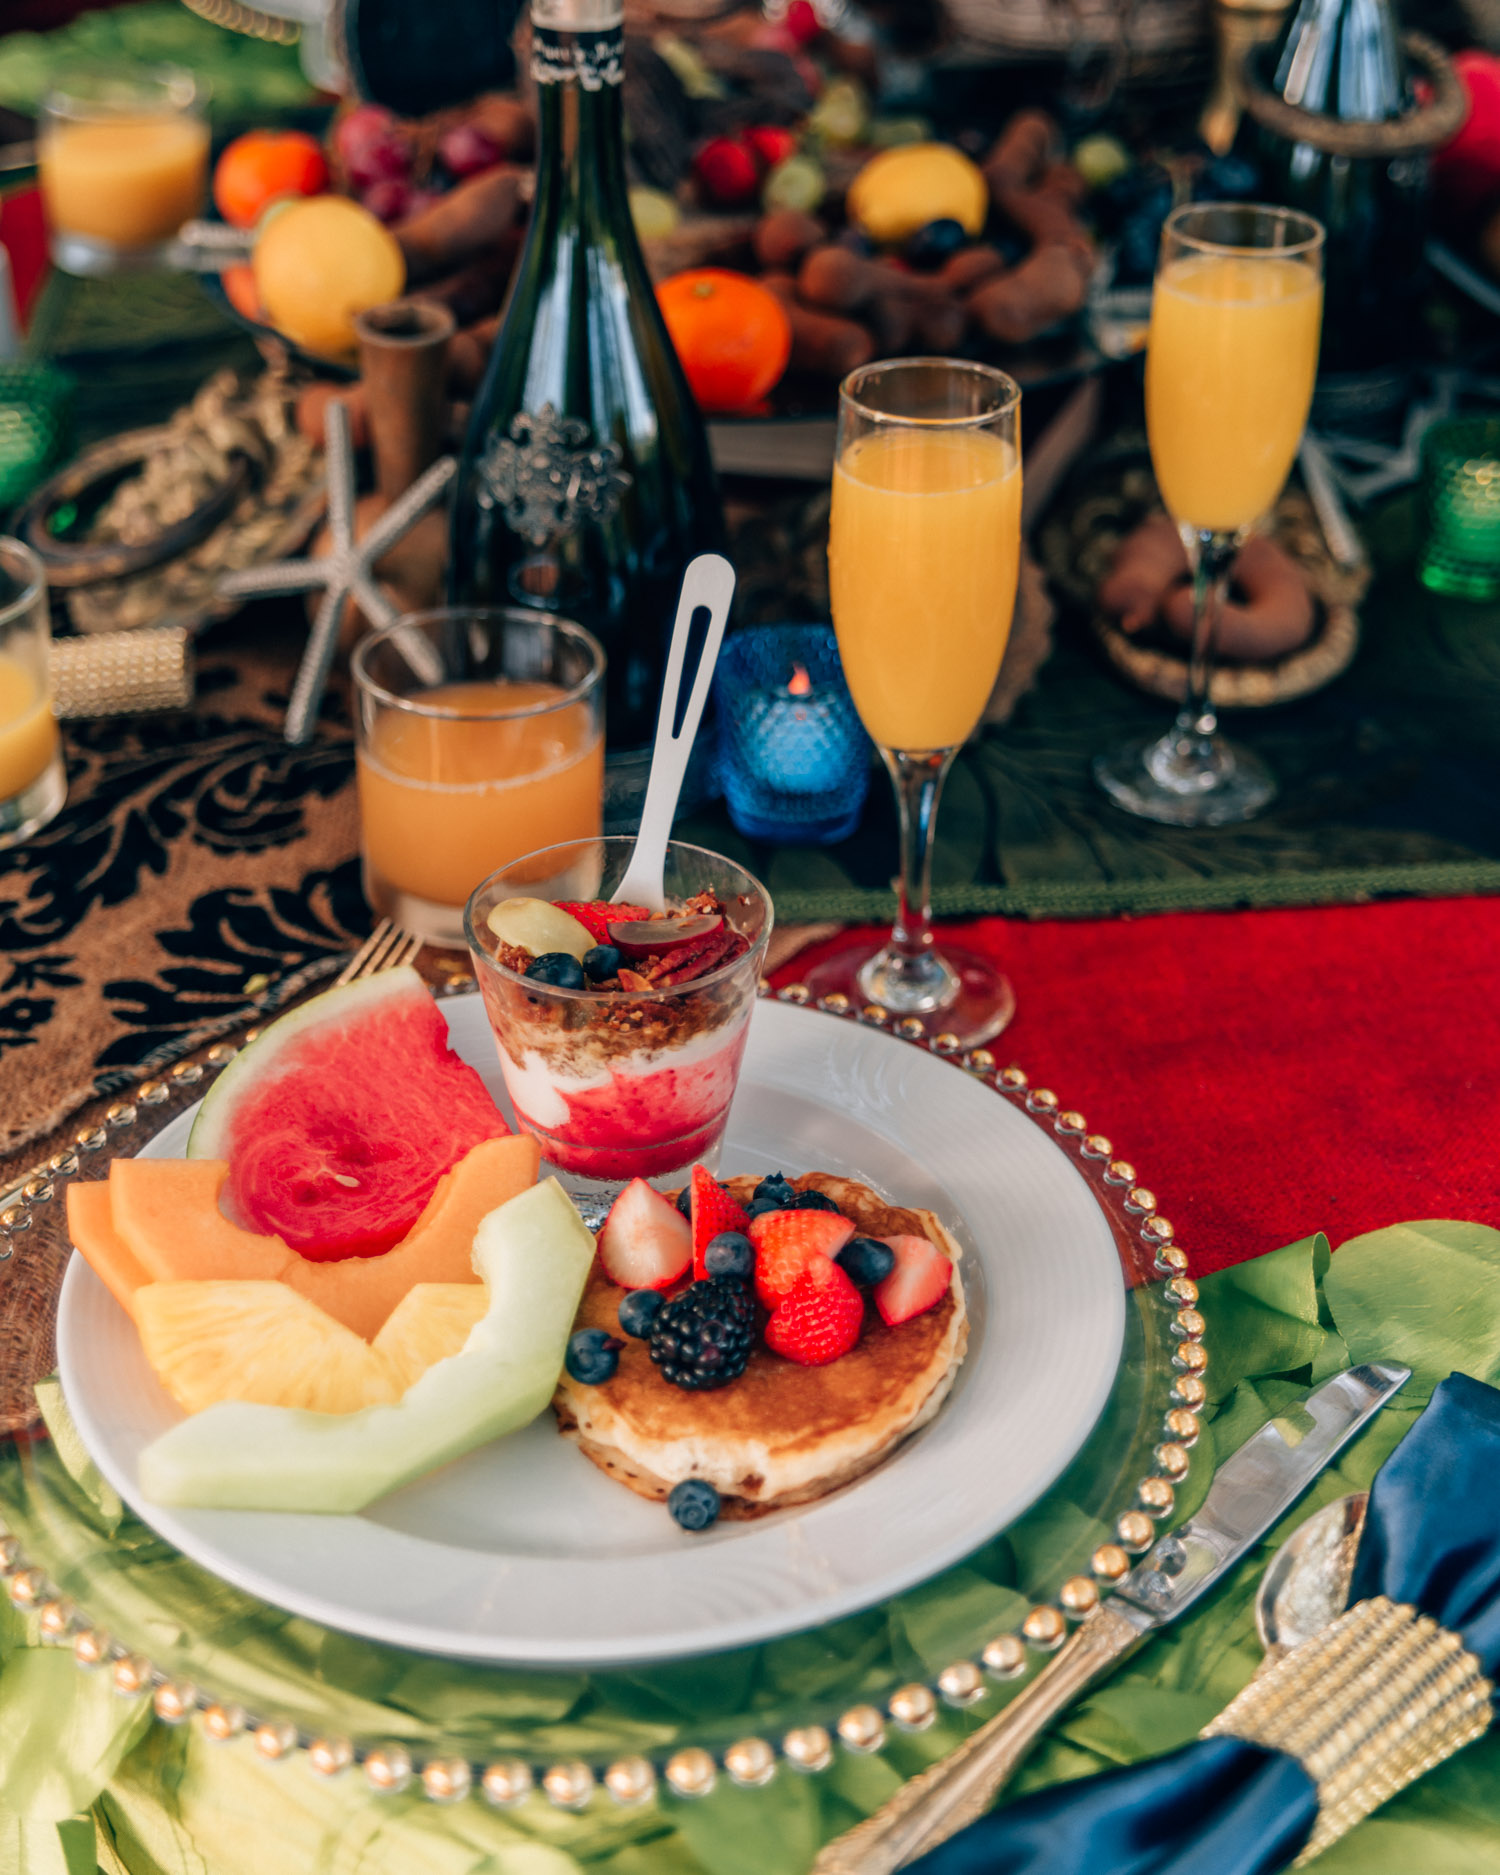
263,165
318,263
240,290
731,333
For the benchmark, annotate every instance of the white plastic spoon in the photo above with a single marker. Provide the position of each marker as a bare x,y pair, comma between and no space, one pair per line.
708,584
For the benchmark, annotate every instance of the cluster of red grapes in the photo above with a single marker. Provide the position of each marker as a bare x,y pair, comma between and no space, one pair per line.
379,157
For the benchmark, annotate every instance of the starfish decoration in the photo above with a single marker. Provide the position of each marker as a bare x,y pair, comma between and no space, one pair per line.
346,571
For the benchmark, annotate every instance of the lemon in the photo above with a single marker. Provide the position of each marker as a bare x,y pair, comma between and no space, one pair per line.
901,190
319,262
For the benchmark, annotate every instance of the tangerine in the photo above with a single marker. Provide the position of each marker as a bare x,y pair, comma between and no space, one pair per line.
262,165
731,333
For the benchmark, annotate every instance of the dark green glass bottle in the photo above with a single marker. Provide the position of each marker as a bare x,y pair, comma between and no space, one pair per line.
1342,59
586,484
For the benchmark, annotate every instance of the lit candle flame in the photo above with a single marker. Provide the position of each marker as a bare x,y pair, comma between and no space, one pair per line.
801,684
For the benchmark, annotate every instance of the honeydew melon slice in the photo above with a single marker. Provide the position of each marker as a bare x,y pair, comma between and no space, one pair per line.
533,1254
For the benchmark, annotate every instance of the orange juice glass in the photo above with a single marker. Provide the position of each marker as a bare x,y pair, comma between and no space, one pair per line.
32,783
1231,355
479,738
924,544
123,161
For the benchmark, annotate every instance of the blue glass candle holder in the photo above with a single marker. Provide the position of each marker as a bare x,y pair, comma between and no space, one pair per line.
793,755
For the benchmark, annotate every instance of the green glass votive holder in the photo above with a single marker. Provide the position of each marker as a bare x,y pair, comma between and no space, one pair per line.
36,427
1460,551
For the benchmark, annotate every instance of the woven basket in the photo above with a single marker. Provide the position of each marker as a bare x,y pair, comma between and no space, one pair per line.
1040,28
1078,547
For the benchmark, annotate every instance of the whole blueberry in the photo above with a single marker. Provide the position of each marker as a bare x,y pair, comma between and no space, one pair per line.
774,1192
638,1310
601,963
866,1261
694,1503
730,1254
810,1201
935,242
758,1207
557,968
592,1356
685,1201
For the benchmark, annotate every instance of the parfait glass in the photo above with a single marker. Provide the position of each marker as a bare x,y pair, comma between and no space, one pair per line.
1232,352
923,553
622,1084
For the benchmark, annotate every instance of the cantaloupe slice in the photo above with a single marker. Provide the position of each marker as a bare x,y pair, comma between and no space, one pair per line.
430,1322
533,1256
361,1292
257,1341
91,1227
167,1212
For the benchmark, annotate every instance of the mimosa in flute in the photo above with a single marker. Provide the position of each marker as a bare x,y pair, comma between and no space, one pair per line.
1230,361
32,783
459,778
924,547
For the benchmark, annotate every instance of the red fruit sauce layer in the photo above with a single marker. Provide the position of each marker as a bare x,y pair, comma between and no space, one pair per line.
669,1118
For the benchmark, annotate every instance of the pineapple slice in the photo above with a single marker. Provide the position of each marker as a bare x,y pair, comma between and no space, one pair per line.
431,1321
261,1342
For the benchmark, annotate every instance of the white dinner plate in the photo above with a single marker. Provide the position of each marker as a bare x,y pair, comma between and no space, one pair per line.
524,1552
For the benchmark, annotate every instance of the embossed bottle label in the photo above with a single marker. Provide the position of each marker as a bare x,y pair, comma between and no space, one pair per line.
547,476
577,41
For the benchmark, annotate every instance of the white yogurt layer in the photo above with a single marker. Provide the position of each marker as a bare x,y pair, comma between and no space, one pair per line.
539,1089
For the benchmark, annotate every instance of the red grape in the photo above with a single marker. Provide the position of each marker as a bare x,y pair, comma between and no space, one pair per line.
467,149
387,200
371,147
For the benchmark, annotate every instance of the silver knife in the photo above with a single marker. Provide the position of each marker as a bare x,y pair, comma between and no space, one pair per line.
1254,1487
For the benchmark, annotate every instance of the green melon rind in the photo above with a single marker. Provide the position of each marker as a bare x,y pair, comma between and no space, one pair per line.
209,1138
534,1255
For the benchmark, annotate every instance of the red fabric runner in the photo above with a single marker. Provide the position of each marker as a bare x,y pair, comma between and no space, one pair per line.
1272,1073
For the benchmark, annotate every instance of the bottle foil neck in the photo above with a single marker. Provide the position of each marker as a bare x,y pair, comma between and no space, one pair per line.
578,16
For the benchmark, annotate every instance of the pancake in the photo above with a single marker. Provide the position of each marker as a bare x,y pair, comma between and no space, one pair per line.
781,1434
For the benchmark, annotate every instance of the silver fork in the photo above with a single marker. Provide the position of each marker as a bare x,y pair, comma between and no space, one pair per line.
386,946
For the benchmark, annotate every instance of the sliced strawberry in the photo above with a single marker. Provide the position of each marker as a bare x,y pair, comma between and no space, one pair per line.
645,1242
713,1210
819,1317
787,1241
597,915
920,1280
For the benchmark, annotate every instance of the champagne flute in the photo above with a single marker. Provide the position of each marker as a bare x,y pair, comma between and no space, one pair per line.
924,547
1230,361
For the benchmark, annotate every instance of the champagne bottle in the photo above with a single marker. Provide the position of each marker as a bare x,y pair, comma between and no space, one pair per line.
1342,59
585,484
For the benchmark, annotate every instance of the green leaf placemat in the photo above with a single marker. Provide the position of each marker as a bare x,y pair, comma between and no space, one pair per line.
166,1801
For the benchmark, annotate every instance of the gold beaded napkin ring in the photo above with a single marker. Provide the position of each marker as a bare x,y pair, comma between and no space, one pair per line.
1374,1701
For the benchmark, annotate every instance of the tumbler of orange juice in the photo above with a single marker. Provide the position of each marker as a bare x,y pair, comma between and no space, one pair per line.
479,738
32,783
122,155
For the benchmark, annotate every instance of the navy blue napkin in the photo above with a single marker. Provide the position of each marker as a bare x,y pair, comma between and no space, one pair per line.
1431,1538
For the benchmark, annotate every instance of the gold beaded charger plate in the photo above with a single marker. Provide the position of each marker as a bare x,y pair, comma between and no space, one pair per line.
524,1554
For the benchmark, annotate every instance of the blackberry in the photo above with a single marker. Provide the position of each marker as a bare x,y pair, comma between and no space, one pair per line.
703,1337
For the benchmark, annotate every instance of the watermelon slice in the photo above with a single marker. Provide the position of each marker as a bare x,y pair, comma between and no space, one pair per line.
341,1117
